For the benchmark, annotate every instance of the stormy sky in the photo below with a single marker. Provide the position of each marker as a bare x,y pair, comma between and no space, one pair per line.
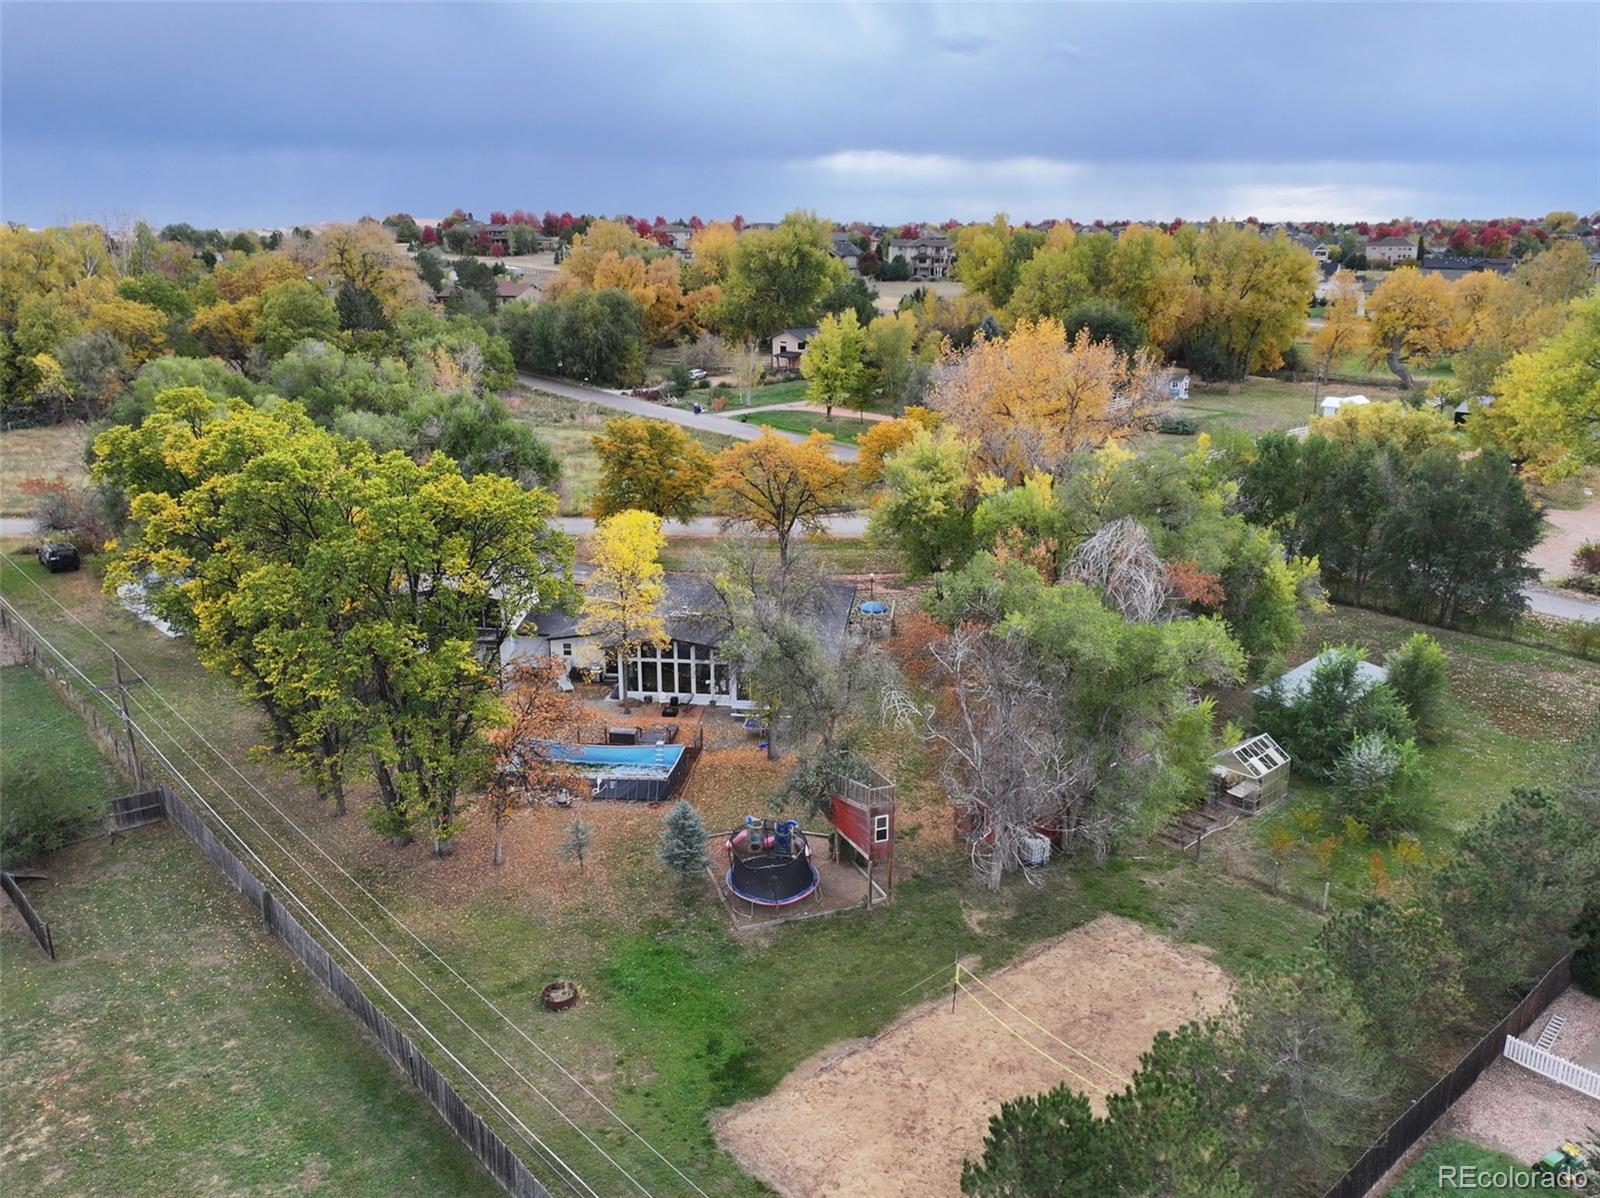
272,114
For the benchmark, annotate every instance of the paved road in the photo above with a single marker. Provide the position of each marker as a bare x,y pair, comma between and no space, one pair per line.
708,422
1563,607
850,526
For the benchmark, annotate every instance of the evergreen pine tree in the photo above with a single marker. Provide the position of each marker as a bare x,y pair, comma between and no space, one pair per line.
683,841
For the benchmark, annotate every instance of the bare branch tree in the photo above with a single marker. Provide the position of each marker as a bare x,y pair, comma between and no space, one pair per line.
1120,562
1004,760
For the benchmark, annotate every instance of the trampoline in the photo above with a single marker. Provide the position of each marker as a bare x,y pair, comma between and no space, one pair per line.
769,864
874,607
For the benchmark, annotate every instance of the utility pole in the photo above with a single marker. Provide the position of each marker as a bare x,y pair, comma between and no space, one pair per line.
121,686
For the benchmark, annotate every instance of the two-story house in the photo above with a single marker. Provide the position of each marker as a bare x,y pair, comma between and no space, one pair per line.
929,256
1391,251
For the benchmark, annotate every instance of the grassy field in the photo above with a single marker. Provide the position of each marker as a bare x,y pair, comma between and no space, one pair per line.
1512,714
173,1047
1255,406
764,397
35,722
680,1016
48,452
833,556
569,426
1421,1180
843,426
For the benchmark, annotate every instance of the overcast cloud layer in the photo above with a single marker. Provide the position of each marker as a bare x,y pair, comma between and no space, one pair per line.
258,114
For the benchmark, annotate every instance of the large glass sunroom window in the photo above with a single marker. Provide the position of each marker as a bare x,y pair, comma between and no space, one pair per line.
680,668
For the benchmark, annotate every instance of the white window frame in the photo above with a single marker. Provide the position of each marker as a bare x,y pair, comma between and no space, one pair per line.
880,828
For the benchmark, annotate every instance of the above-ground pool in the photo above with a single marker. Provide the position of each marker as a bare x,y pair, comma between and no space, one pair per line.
640,772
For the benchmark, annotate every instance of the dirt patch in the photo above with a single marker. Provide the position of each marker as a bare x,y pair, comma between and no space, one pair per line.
897,1114
1516,1111
1568,530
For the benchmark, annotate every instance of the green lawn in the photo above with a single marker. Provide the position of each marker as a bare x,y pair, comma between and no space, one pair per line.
568,426
843,427
1423,1179
34,722
173,1047
1254,406
763,397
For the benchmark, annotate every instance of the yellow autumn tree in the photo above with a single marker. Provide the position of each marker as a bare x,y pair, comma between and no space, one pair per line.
887,436
712,251
364,255
141,328
1033,402
776,485
1344,330
1413,319
1154,283
622,596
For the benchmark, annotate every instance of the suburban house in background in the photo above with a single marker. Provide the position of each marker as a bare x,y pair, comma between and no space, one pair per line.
508,290
1177,385
679,235
846,251
1453,267
1319,248
1391,250
690,668
789,345
929,256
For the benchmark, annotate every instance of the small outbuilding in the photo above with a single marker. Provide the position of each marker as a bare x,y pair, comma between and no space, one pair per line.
1329,405
1252,774
1298,679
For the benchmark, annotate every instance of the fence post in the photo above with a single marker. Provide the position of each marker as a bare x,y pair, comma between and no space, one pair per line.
127,720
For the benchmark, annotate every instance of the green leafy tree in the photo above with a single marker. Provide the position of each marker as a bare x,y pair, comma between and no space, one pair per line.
927,500
683,841
1419,674
777,277
597,336
834,363
1335,706
651,466
852,295
891,342
293,312
1380,782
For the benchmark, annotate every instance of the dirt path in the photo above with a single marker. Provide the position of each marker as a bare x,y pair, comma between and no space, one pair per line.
896,1114
1569,529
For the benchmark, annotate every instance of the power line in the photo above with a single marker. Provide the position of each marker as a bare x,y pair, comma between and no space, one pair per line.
1058,1064
1106,1069
529,1137
378,903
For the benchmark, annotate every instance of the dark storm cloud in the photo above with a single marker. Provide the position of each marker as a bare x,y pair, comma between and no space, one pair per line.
260,113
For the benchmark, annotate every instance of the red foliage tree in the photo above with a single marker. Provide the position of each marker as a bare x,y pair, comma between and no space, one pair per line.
497,250
696,223
480,239
497,218
1198,587
430,235
738,222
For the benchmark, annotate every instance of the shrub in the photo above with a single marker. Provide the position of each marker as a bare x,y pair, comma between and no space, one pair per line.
1379,782
1583,637
1178,426
1586,560
1418,674
88,516
43,810
1589,584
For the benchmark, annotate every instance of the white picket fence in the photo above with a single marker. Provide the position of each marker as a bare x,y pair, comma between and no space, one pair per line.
1557,1069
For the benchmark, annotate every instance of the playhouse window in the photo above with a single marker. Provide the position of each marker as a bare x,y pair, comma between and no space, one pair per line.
880,829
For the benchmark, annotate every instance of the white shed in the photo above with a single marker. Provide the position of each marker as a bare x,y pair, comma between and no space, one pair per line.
1331,404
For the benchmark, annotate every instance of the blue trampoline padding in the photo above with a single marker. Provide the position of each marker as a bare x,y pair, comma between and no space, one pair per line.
873,607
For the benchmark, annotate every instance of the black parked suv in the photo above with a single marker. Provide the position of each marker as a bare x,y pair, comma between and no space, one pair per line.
58,556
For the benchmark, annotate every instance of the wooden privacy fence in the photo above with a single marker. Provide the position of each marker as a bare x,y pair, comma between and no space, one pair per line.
1558,1069
1405,1131
504,1165
40,929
